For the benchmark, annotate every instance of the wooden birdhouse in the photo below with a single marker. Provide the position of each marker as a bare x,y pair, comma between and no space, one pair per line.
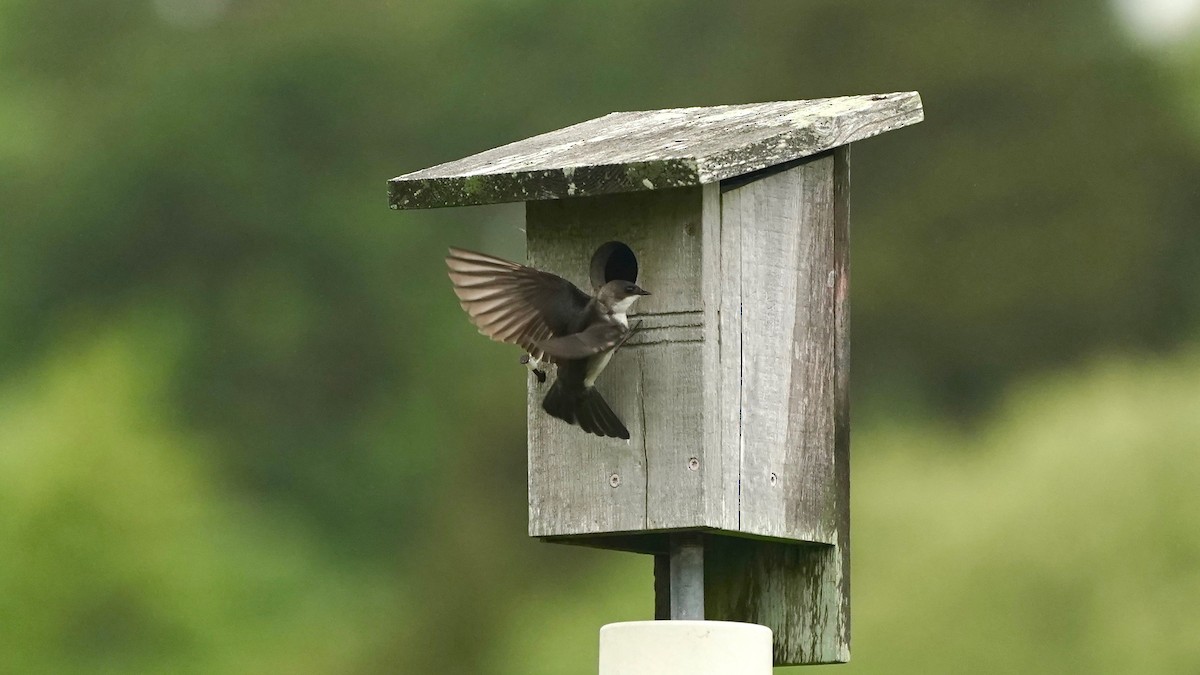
736,475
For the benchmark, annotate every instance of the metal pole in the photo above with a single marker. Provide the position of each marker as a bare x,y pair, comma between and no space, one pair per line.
687,577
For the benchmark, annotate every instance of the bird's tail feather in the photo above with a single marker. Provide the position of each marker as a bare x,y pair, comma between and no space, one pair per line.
586,408
559,403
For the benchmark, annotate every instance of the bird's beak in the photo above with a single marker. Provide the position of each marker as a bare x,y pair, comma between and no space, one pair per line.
642,291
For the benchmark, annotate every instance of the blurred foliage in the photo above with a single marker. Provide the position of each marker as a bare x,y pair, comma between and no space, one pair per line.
1064,541
243,427
123,555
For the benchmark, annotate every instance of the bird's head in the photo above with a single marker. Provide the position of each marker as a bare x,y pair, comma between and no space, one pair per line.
620,295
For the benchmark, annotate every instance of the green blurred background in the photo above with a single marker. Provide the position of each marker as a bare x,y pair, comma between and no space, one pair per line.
244,427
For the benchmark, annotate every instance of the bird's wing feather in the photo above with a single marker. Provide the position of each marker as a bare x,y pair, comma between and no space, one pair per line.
512,303
598,338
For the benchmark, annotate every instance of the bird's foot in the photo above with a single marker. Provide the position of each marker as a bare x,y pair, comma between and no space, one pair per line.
532,365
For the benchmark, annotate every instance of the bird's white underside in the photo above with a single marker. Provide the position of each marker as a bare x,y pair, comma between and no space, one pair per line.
621,308
597,363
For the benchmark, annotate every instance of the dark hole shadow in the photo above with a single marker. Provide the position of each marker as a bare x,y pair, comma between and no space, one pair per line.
613,260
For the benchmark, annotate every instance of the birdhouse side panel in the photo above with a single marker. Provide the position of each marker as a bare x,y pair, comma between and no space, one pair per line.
787,283
583,485
800,590
797,590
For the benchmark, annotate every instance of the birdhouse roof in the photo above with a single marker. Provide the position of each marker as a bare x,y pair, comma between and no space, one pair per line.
655,149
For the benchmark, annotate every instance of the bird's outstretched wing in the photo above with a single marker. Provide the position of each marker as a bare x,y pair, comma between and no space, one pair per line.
512,303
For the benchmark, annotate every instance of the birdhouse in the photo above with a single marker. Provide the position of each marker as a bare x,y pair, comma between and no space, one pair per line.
734,391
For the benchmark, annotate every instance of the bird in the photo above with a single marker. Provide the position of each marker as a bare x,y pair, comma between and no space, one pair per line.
554,322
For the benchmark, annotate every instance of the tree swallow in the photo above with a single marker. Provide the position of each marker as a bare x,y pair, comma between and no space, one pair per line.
555,322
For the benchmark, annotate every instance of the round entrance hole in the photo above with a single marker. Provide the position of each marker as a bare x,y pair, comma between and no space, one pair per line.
613,260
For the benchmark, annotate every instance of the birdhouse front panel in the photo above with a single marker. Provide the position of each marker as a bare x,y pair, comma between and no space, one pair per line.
581,484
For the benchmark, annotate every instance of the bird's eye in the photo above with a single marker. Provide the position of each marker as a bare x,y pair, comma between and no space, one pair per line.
630,289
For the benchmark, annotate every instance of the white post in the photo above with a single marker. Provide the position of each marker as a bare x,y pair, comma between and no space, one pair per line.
685,648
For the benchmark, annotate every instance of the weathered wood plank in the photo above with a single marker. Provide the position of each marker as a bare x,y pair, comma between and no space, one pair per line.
788,587
652,150
662,228
654,383
841,343
809,455
786,350
580,483
672,389
766,211
721,331
801,591
729,358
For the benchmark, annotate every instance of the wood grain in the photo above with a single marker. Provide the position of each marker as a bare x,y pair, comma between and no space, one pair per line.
837,579
721,249
789,587
789,262
784,368
654,150
654,383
